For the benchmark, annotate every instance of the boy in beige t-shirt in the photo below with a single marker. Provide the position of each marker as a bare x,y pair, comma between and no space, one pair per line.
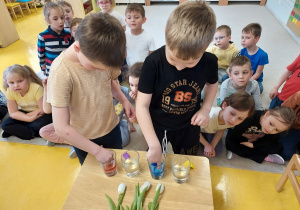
81,91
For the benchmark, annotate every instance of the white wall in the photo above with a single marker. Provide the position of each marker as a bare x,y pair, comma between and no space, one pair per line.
281,9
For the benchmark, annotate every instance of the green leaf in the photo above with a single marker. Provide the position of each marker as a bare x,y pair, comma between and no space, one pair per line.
155,199
122,208
112,205
120,200
140,199
127,208
149,205
136,195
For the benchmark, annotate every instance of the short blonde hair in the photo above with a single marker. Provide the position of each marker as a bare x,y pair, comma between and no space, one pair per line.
190,28
225,28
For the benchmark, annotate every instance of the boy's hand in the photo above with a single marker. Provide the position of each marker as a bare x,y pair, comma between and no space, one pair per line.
129,110
154,154
45,83
247,144
131,127
273,93
132,95
201,118
209,151
104,155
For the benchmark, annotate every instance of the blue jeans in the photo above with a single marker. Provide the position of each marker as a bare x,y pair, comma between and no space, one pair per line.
261,87
275,103
111,140
290,142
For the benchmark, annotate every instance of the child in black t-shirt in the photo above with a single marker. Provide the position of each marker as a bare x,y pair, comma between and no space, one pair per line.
257,138
172,78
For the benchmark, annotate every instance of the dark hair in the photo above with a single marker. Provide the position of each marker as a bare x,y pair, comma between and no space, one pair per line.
102,39
134,71
241,101
286,113
254,28
135,7
240,61
74,22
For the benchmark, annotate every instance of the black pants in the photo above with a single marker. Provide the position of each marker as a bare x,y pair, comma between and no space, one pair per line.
26,130
184,141
111,140
3,112
256,154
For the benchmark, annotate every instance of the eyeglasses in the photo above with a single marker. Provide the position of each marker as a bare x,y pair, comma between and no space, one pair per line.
219,38
104,2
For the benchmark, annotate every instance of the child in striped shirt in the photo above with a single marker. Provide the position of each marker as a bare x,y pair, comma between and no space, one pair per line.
54,39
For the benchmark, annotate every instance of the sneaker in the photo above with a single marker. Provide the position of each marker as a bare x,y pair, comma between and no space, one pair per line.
229,155
274,158
5,134
50,144
72,153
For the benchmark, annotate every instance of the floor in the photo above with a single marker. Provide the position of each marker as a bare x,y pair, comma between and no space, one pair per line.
33,176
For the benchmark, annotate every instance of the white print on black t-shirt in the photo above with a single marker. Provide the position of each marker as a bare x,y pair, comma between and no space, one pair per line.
180,97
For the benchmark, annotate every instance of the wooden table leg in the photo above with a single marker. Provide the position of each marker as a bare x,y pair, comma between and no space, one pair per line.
148,3
262,2
223,2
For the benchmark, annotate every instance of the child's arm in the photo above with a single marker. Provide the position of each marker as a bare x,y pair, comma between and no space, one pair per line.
281,80
41,52
217,137
131,127
258,72
14,112
118,94
201,118
208,149
61,121
142,109
46,106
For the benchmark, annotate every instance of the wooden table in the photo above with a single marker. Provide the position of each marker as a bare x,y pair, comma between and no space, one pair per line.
91,185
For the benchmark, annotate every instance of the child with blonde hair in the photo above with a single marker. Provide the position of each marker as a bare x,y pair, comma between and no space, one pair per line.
257,138
54,39
23,89
69,14
224,49
171,81
107,6
233,110
240,74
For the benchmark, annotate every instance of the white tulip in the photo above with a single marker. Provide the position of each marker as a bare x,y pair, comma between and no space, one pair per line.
145,185
121,188
161,188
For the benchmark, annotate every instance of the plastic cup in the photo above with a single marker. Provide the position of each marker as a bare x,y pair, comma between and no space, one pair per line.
180,167
130,160
110,168
157,172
